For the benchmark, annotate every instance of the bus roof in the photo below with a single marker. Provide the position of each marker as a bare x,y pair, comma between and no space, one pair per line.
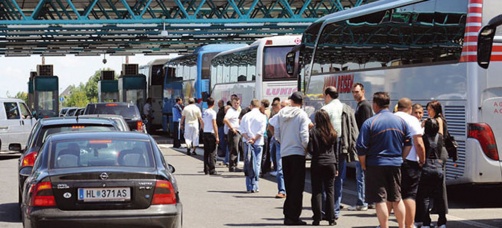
217,47
363,9
276,41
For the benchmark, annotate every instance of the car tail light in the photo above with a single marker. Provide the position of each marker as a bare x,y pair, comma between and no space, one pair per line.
484,134
41,195
29,159
139,125
164,193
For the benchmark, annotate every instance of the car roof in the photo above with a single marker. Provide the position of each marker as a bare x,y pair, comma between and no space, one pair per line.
99,135
75,120
118,103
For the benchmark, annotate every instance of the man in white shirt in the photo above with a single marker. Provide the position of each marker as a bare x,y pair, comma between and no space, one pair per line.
231,120
210,137
413,159
190,119
252,128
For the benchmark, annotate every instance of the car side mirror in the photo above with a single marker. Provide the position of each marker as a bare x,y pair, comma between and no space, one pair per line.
171,168
26,171
15,147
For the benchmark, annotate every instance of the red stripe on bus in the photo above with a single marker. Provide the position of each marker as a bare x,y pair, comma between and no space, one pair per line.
496,58
475,1
471,39
474,19
468,58
469,48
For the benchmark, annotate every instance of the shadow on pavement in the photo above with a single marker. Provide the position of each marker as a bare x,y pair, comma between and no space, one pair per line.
9,212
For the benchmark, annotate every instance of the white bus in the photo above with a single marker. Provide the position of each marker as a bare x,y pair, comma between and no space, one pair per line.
256,71
154,72
419,49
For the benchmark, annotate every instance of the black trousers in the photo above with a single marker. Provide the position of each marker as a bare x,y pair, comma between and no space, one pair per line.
233,148
176,135
209,140
293,167
265,158
322,177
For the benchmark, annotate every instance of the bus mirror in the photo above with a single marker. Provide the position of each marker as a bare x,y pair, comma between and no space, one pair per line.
485,41
290,62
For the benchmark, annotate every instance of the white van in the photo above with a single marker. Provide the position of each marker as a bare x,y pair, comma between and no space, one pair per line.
15,124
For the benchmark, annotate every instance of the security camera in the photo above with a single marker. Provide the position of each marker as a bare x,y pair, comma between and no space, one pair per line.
104,61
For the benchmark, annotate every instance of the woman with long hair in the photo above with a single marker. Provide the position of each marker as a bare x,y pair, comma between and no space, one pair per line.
437,191
322,147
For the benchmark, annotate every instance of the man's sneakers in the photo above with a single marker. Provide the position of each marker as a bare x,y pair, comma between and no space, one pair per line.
371,206
358,208
280,196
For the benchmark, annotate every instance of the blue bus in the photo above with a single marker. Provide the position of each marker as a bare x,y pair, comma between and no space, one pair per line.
188,76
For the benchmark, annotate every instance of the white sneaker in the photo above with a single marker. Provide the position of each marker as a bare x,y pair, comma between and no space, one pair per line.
358,208
273,173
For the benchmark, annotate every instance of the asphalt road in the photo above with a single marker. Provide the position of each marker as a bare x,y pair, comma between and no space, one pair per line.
222,201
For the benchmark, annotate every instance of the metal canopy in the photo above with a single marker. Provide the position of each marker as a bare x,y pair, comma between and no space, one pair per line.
122,27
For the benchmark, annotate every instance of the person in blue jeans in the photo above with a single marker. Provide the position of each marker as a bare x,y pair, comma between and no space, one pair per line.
252,128
363,112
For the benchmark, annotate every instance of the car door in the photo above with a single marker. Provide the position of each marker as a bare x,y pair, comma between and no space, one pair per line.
11,126
27,122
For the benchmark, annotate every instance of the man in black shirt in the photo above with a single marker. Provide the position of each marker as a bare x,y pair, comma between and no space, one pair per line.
363,112
222,146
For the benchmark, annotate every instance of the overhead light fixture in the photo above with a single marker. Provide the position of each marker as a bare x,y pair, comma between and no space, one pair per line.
164,32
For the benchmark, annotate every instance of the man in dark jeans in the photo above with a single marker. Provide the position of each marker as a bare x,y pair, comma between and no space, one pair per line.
177,109
210,137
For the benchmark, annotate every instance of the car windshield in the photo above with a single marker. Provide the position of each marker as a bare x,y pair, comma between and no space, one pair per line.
126,111
101,152
48,130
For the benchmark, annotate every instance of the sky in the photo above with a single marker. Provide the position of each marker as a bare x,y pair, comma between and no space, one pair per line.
71,70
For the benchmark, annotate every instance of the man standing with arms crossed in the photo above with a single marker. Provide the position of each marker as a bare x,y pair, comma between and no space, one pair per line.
413,160
292,132
231,120
363,112
252,127
380,147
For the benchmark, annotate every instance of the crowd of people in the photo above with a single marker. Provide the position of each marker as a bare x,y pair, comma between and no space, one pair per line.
393,151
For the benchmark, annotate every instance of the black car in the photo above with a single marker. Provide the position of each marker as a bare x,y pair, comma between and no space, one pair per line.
45,127
129,111
101,179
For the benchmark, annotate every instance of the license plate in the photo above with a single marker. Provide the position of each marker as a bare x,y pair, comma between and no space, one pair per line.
104,194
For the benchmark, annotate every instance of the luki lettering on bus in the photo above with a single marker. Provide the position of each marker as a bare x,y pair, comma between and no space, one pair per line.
281,91
343,83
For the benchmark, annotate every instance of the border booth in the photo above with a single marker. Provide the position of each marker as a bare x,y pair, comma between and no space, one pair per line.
132,86
108,87
46,92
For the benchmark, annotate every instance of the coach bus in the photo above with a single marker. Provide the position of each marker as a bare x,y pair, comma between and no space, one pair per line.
188,76
419,49
154,71
256,71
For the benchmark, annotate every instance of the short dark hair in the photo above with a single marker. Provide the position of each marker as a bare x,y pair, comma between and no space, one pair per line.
276,99
210,101
331,91
265,103
178,99
358,84
381,99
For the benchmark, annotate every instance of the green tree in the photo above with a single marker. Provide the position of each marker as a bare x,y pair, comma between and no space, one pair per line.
77,98
23,96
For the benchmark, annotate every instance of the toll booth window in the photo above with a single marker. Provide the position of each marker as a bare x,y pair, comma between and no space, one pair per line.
11,110
25,112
